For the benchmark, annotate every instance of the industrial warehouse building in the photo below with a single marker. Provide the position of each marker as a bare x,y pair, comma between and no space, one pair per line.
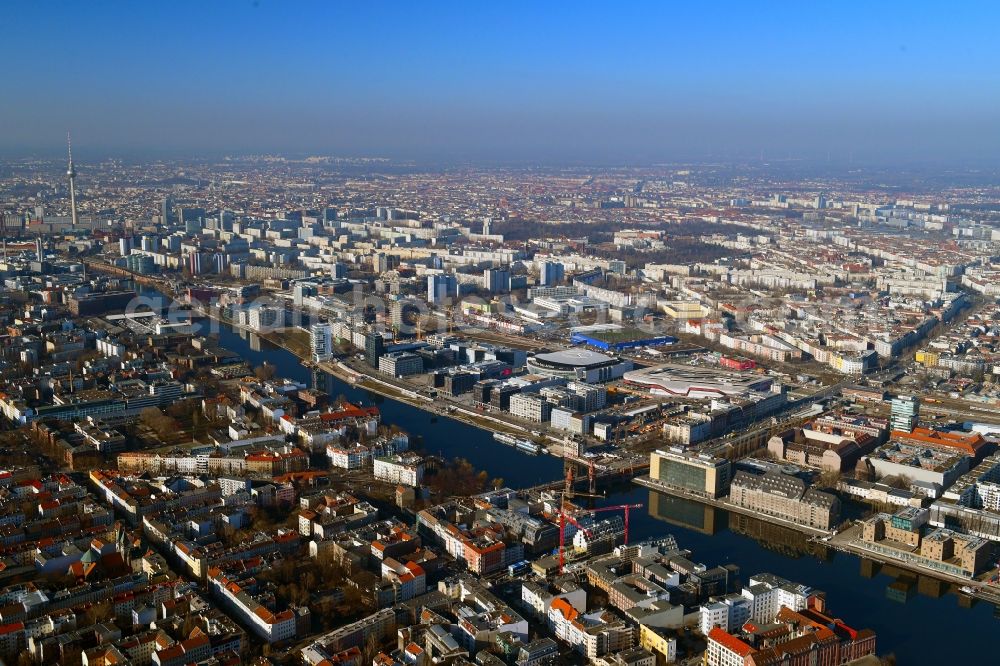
615,338
785,496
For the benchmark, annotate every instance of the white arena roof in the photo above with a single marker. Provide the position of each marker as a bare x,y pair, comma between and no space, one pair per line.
582,358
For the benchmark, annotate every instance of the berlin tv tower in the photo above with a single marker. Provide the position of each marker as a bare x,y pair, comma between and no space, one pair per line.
71,173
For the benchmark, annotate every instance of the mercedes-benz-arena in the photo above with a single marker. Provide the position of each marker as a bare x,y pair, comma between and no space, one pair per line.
582,364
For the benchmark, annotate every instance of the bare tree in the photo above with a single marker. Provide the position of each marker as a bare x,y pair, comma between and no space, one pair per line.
829,478
264,372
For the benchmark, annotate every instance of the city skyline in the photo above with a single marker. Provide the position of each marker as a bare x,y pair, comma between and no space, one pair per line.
514,84
482,334
758,364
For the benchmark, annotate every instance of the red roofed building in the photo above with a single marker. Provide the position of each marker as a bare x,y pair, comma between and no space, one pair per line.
12,638
484,558
970,444
271,626
349,657
724,649
349,411
192,650
407,580
796,638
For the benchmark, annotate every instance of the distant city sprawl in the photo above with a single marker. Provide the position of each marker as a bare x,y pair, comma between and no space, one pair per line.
337,411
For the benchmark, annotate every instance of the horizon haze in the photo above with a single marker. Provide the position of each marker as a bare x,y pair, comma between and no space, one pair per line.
518,82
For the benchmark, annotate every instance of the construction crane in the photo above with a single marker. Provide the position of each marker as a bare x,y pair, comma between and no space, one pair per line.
618,507
570,467
567,517
570,471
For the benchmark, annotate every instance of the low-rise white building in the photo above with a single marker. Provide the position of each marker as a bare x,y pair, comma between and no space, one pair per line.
356,455
406,469
767,593
530,407
728,613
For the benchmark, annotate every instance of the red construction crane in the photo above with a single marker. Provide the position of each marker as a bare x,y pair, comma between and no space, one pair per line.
619,507
569,486
570,479
565,517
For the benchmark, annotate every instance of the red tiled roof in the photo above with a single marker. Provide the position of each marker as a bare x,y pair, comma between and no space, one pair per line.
564,607
969,443
728,641
11,628
349,412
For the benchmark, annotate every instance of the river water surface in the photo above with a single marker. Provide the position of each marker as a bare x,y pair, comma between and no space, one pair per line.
919,619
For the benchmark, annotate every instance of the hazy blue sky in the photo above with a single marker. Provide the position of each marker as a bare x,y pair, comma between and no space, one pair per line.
545,81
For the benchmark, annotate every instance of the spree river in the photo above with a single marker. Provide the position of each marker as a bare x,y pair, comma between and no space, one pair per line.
919,619
441,435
